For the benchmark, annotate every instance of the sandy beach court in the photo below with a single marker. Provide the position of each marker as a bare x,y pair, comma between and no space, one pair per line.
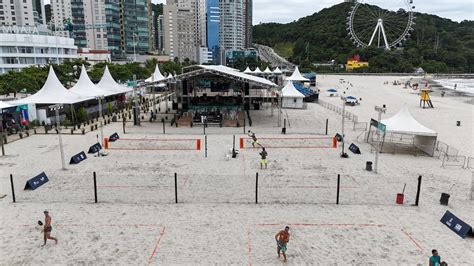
216,221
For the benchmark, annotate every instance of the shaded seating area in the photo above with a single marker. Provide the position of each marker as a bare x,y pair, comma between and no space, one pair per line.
310,95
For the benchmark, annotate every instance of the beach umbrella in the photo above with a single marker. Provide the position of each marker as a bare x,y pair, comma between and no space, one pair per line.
351,98
332,90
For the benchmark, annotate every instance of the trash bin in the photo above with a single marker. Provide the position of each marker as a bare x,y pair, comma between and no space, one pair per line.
444,199
368,166
400,198
458,123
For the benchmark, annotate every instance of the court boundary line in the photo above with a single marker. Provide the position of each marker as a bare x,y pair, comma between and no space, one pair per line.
404,232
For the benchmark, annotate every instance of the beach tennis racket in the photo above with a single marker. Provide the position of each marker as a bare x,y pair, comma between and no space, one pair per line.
40,222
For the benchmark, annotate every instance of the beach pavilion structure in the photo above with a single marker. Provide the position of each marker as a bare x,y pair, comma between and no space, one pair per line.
220,93
291,97
83,94
404,134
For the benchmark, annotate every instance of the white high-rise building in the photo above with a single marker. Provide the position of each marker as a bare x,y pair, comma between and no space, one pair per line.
16,13
60,10
181,29
232,24
89,15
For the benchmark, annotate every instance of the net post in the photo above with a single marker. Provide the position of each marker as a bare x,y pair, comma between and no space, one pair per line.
95,187
13,188
327,122
241,143
256,188
176,188
163,121
418,191
338,186
205,146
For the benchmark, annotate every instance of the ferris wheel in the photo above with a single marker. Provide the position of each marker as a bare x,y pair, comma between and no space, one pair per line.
381,23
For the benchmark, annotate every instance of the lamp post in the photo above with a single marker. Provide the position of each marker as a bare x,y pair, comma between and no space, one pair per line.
380,110
3,132
101,123
56,108
134,47
343,98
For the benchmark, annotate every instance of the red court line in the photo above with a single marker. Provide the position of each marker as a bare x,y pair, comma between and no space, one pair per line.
162,232
412,239
249,246
294,138
127,186
151,149
153,139
333,225
347,187
88,225
292,147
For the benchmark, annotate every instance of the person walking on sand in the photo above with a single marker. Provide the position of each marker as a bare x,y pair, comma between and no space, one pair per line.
254,138
47,228
435,260
282,238
263,158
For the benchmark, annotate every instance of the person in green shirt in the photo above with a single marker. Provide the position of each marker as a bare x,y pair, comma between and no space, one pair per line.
435,260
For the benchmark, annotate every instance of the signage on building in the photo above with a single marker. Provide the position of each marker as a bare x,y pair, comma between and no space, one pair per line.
19,29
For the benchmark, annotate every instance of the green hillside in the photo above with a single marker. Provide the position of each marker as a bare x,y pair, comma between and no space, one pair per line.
437,44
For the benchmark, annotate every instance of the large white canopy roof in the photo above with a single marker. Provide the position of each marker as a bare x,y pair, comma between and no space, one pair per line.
403,122
108,83
236,73
53,92
290,91
156,76
296,76
85,87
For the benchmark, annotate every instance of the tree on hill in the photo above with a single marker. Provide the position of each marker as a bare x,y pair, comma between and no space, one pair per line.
439,44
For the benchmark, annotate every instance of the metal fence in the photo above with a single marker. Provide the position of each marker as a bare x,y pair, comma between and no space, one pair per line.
338,110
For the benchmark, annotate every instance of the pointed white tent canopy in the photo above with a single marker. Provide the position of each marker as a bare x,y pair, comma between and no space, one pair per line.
4,105
247,70
257,71
156,76
403,122
53,92
277,71
296,76
267,71
290,91
170,76
108,83
85,87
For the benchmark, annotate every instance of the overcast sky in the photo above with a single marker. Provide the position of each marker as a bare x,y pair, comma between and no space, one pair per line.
284,11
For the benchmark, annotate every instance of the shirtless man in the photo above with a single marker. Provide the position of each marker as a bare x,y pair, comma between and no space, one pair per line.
47,228
282,238
254,138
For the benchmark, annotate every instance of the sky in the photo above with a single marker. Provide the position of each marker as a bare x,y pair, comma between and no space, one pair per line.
284,11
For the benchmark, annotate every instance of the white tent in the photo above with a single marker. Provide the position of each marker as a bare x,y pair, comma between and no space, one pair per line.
247,71
4,105
170,76
156,76
277,71
296,76
108,83
53,92
267,71
257,71
85,87
404,123
291,97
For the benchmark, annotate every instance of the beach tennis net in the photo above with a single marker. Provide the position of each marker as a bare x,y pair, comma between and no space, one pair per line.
156,144
290,142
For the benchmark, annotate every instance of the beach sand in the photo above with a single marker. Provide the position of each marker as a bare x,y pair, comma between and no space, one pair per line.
216,220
